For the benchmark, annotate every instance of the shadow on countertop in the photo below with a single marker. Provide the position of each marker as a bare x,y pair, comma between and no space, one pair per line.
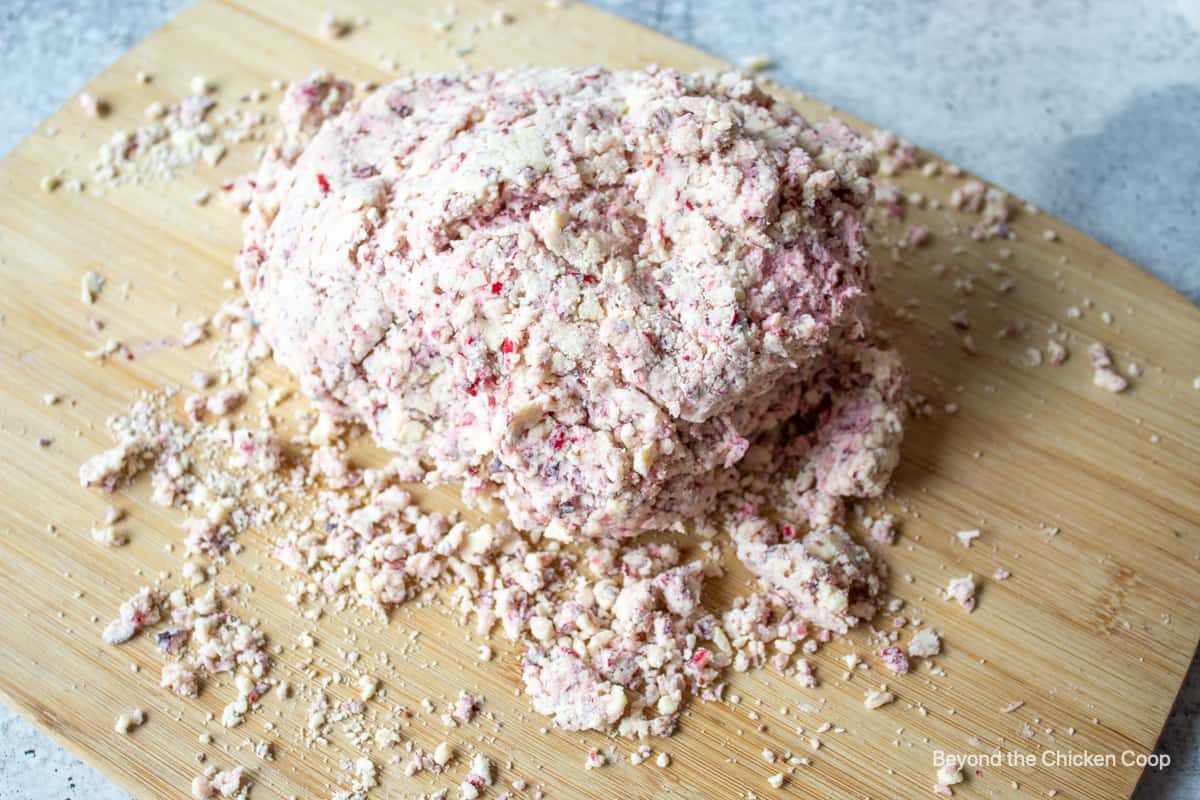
1178,737
1148,154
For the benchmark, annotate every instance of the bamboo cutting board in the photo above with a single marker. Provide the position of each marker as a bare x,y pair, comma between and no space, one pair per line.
1094,631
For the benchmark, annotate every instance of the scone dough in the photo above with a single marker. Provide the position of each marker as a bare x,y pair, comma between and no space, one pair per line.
585,293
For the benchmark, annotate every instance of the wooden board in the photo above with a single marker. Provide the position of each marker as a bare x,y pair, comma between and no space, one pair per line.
1094,630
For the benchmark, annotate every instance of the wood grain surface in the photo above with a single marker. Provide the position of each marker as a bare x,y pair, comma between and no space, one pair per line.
1093,632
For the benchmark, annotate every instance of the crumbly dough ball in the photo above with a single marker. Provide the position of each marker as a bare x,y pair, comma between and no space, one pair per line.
585,293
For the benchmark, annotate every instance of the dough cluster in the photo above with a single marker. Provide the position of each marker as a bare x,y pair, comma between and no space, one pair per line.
585,293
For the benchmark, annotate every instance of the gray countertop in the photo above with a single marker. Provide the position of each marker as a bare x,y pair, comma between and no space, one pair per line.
1088,108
